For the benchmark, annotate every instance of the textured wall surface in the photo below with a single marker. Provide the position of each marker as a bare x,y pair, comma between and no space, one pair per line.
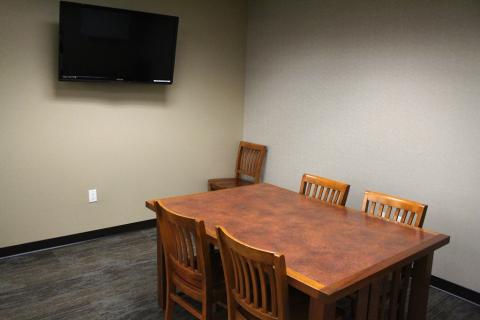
131,142
381,94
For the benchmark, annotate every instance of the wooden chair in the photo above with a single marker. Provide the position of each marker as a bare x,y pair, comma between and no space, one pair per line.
256,280
394,209
189,265
250,159
329,191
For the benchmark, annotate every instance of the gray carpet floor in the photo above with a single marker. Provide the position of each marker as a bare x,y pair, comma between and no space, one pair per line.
114,278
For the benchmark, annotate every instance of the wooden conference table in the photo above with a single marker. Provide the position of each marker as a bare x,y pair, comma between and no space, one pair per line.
331,251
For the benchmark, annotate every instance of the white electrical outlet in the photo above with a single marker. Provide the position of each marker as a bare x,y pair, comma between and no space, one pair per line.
92,195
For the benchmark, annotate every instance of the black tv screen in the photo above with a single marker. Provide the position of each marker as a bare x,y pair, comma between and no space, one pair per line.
106,44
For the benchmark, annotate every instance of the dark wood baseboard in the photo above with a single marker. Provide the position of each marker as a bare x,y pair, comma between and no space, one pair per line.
456,289
437,282
78,237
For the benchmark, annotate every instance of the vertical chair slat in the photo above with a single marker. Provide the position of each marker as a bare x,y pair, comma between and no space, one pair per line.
248,156
263,286
254,282
254,162
337,195
332,195
396,277
372,208
241,280
176,242
320,193
406,271
361,305
380,210
188,241
180,253
246,164
242,159
195,253
273,290
374,301
184,245
410,218
395,215
251,161
307,192
315,189
235,272
327,193
383,298
388,212
246,278
248,160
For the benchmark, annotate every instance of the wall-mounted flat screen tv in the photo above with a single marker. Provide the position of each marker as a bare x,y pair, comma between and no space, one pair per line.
106,44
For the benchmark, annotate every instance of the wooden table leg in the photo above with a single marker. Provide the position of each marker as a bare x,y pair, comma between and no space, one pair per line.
321,311
161,276
417,304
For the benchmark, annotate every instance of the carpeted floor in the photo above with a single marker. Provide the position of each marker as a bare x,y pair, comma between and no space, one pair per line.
114,278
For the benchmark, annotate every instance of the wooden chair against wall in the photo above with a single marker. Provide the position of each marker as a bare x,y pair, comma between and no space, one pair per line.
189,265
256,280
329,191
394,208
250,158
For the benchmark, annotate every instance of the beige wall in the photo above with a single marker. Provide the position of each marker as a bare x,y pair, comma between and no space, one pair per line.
382,94
130,141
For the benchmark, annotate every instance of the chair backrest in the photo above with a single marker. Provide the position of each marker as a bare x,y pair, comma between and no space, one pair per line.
185,246
394,209
256,280
330,191
250,159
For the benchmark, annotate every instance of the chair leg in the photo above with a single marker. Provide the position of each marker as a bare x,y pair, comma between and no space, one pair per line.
232,311
169,309
207,310
170,303
214,308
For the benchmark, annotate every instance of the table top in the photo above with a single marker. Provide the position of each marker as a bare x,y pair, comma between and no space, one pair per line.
327,248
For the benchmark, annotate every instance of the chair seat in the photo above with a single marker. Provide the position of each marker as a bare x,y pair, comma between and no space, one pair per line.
227,183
